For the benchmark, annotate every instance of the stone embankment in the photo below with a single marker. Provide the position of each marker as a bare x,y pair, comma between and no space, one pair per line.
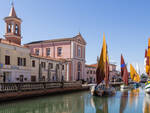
12,91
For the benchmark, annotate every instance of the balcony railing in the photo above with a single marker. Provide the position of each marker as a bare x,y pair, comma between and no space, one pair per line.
14,87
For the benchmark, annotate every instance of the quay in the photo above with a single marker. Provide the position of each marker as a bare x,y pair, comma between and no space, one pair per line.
13,91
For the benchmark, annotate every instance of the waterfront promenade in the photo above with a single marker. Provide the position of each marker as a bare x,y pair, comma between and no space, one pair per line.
11,91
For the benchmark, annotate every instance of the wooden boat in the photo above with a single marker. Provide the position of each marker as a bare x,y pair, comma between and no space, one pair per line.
147,86
134,76
124,75
102,74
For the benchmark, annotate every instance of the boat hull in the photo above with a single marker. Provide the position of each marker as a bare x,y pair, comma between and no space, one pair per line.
103,91
147,88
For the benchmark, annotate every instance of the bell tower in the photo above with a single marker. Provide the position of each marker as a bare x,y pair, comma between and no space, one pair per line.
13,27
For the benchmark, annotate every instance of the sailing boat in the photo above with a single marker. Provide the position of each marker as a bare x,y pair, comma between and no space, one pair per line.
102,74
134,76
124,75
147,67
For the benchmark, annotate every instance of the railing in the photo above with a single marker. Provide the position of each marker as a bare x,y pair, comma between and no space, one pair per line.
13,87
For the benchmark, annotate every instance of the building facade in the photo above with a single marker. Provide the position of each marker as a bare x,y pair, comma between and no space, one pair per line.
90,74
47,69
72,49
14,62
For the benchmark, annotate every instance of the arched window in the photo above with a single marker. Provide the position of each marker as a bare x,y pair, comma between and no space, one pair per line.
9,28
79,66
79,70
16,29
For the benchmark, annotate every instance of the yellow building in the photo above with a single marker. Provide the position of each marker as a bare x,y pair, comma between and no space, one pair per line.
14,62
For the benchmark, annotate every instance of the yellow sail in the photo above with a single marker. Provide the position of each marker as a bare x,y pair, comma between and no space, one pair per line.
134,75
102,69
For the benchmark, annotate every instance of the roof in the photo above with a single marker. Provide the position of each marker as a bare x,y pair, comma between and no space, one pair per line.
92,66
4,41
95,65
12,12
77,37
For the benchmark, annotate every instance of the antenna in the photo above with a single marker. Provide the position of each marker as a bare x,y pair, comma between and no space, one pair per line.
12,3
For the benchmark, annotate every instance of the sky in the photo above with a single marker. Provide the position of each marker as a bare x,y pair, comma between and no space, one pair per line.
126,24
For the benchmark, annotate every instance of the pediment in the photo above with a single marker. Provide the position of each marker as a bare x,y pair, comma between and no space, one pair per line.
80,39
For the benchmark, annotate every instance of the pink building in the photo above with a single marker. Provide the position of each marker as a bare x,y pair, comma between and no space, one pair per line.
90,74
72,49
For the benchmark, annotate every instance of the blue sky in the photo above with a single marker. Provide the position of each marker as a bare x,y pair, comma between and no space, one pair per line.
126,24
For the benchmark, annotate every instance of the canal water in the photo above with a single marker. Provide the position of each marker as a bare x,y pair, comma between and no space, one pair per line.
133,101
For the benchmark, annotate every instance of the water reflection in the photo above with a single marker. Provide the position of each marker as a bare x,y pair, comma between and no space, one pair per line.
123,101
134,95
59,104
100,104
146,104
133,101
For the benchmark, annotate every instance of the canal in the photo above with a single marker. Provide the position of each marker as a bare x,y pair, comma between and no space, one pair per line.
133,101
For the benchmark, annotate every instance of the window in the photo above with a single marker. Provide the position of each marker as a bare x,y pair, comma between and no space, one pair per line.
91,72
87,72
94,72
21,61
7,60
50,65
33,78
33,63
79,52
43,64
63,67
57,66
47,51
18,61
16,29
59,51
24,61
37,52
9,28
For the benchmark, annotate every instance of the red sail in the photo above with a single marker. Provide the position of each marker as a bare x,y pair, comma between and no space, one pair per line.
145,53
99,75
106,73
124,71
122,65
125,76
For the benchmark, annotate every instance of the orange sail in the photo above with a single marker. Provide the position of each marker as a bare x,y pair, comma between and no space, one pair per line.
147,57
102,71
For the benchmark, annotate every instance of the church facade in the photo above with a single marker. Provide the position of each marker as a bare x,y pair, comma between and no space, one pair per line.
70,49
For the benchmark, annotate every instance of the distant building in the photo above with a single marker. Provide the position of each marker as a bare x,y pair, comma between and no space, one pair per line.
90,72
